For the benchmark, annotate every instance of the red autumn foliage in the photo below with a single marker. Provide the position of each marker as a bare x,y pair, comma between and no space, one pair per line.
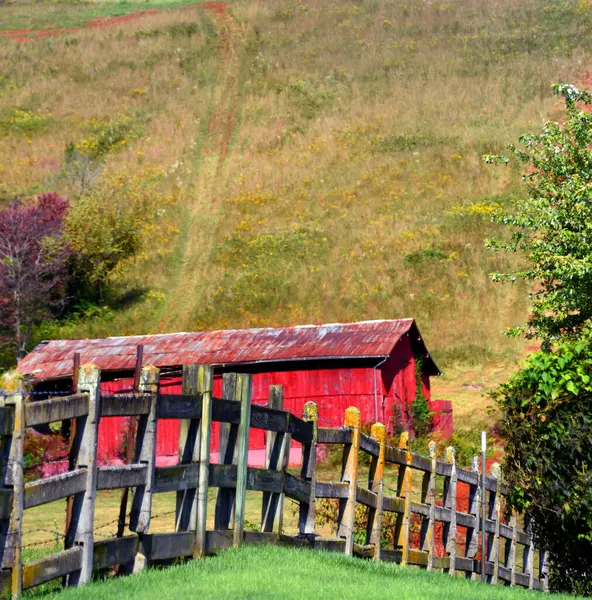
33,265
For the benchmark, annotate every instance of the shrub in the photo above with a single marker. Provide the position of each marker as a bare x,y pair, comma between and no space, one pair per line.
548,426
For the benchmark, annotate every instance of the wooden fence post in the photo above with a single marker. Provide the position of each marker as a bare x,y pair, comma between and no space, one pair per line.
85,452
472,545
510,558
376,484
204,387
186,508
429,498
244,389
544,569
15,532
275,447
528,553
6,494
450,503
496,515
227,455
145,452
349,475
404,490
306,521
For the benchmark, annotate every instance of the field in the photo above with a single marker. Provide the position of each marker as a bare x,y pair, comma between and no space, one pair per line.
245,573
294,161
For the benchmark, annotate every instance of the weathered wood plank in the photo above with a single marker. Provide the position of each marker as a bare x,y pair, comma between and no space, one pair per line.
393,504
226,410
269,419
347,509
441,562
175,478
470,477
186,498
258,479
85,445
117,551
316,543
6,501
325,489
111,478
330,435
205,381
276,446
51,567
495,506
308,472
13,540
124,406
297,489
56,409
179,406
369,445
404,458
366,497
244,386
145,453
300,430
404,491
429,498
472,539
6,420
53,488
449,532
223,514
221,540
376,485
164,546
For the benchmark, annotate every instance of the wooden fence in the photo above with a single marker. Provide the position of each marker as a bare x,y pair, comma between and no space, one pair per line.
435,512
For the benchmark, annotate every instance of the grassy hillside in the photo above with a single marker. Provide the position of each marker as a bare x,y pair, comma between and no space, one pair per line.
271,572
304,161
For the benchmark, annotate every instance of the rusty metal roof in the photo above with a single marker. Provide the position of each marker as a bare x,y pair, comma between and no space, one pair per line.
367,339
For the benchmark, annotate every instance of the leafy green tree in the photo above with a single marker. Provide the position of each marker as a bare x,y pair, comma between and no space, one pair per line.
103,234
547,405
552,225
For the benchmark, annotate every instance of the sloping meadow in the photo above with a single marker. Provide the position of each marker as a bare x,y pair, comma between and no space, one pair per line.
352,186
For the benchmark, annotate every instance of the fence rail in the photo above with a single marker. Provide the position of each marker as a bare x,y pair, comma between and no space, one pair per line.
434,513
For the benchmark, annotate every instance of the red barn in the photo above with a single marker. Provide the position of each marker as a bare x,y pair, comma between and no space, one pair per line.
371,365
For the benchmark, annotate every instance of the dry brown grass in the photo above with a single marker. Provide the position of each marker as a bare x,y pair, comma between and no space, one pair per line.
319,152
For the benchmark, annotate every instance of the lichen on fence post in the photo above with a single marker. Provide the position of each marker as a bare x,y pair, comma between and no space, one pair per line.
472,543
496,515
450,503
376,484
405,491
306,521
204,388
349,475
244,389
14,538
186,508
85,451
429,498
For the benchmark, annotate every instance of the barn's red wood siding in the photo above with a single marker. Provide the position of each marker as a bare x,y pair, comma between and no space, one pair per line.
333,390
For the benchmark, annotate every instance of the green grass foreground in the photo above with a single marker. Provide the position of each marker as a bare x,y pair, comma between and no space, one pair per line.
273,572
